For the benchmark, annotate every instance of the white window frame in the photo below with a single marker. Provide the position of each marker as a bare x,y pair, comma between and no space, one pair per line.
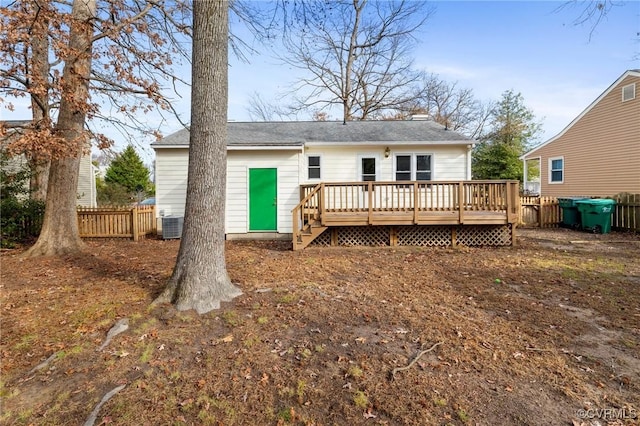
414,163
318,167
633,92
551,160
411,164
376,157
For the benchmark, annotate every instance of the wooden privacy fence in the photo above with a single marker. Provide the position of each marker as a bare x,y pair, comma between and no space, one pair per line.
539,212
545,212
627,213
117,222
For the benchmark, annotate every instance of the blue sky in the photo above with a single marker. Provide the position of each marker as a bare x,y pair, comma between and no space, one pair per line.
490,47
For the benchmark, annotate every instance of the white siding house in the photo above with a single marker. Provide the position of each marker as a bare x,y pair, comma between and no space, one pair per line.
268,161
86,193
87,183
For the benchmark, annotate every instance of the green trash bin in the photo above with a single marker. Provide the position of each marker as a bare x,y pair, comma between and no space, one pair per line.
570,214
596,214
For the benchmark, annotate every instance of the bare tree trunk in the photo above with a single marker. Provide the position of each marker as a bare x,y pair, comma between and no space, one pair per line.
59,234
39,178
348,72
39,163
200,280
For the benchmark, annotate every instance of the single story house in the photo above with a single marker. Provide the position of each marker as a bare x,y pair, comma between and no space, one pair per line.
598,153
273,166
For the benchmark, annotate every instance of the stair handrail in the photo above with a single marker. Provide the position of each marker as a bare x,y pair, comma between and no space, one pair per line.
298,212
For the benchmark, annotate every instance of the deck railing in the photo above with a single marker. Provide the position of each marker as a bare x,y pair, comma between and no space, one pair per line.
406,202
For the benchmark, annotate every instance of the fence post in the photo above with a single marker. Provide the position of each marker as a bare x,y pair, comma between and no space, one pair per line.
134,222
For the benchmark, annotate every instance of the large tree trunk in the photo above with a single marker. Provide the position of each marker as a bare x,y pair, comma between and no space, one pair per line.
200,280
59,233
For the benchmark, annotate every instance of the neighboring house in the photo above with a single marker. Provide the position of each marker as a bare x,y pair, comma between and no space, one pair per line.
269,161
598,153
86,194
87,183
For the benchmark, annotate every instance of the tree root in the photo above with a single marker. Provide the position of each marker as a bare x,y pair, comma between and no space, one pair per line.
397,369
120,326
94,414
43,364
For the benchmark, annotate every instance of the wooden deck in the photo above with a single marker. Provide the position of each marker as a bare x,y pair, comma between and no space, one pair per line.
356,204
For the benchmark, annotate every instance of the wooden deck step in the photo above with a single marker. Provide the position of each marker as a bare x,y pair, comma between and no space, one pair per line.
312,231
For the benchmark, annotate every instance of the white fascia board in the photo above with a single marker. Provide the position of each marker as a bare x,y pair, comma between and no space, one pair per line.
388,143
238,148
265,148
157,147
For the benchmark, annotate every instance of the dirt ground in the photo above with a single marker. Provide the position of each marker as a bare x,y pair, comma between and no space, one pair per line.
544,333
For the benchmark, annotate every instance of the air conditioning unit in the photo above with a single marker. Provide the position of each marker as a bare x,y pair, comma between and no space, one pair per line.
172,227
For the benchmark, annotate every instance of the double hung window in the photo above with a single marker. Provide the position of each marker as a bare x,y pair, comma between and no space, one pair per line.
413,167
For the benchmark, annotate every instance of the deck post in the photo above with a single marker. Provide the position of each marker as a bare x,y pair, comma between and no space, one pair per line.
296,226
321,203
461,202
415,203
370,187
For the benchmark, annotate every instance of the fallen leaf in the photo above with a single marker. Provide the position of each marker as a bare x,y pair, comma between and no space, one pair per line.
226,339
368,414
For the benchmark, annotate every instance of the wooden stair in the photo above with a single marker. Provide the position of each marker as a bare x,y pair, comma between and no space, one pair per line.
309,233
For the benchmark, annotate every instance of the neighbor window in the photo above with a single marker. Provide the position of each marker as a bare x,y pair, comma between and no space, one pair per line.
368,169
629,92
413,167
556,170
313,163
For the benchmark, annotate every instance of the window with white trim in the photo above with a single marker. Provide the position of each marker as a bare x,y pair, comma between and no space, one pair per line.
629,92
413,167
368,169
556,170
313,167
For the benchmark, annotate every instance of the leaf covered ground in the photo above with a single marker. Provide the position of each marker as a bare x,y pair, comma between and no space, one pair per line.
545,333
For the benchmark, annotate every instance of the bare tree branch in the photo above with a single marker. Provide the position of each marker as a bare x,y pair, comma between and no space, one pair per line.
357,55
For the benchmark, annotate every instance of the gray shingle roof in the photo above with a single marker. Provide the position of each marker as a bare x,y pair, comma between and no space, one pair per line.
297,133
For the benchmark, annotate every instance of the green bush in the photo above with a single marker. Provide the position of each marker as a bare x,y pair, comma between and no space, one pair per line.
20,221
112,194
20,217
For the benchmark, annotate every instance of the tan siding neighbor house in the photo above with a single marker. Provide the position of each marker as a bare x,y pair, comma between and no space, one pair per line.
598,153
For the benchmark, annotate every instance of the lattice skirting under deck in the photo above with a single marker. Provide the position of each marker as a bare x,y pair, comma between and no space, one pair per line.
417,235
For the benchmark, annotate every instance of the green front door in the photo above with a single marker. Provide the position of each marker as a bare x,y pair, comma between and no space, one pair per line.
263,200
